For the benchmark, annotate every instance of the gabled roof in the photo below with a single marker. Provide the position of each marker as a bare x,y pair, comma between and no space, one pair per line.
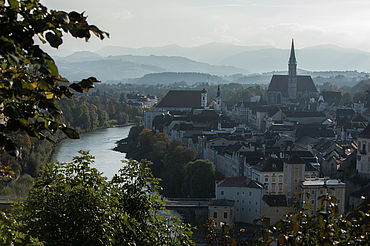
181,99
240,181
270,165
275,200
280,83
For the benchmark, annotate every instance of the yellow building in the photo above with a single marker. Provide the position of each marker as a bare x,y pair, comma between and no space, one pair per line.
321,186
294,174
274,208
222,212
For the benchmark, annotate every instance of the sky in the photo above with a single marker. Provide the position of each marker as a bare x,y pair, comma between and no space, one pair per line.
151,23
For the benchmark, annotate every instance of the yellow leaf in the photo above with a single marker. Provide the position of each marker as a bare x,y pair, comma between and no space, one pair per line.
49,95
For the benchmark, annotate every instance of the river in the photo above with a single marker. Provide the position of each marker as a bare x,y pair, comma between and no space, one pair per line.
100,143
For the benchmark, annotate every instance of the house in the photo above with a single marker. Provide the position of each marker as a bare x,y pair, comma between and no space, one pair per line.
363,153
177,100
247,195
291,88
313,189
270,173
294,174
274,208
222,212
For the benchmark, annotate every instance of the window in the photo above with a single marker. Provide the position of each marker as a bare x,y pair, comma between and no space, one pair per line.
237,193
266,179
312,192
237,200
250,193
215,215
280,179
273,179
280,187
338,201
312,201
225,215
222,193
320,192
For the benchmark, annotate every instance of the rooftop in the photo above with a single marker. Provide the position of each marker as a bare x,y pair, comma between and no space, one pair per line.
322,182
181,99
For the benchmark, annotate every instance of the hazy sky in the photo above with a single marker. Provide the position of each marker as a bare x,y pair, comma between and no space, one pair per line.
138,23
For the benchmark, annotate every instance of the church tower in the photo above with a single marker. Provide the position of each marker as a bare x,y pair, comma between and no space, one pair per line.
203,99
218,99
292,77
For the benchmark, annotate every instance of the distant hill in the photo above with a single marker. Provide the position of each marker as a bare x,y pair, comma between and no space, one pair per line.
327,57
171,77
212,53
258,59
82,64
361,86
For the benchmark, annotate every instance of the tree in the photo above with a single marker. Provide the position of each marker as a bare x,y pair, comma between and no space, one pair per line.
73,204
325,227
174,168
199,178
30,83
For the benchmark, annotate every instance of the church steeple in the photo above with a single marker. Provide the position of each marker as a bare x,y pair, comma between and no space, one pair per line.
218,99
292,61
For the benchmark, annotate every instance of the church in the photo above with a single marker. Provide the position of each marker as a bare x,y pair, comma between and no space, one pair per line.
291,88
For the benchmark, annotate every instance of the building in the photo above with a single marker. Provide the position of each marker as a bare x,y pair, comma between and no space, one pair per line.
291,88
363,153
274,208
247,195
313,189
222,212
179,101
294,174
269,173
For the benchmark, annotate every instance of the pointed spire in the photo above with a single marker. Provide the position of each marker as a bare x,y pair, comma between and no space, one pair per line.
292,59
218,91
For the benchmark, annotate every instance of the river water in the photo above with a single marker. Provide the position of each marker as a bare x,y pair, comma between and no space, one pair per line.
100,143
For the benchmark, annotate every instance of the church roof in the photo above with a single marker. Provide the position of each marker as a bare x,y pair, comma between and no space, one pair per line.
280,83
181,99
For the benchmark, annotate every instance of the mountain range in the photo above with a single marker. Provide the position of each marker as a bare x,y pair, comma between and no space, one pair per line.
120,63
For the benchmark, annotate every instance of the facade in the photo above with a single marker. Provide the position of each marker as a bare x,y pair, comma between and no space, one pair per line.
274,208
294,174
291,88
321,186
176,100
363,153
222,212
247,196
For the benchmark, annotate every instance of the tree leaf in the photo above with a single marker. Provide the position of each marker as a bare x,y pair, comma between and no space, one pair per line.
71,133
53,39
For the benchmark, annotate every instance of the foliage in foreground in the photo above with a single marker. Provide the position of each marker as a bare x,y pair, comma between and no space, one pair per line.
325,227
73,204
30,83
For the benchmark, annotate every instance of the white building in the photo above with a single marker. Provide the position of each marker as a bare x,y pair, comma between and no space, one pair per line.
363,153
320,187
247,195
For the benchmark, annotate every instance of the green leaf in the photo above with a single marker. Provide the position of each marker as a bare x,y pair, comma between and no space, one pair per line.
53,39
52,67
14,4
76,87
71,133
